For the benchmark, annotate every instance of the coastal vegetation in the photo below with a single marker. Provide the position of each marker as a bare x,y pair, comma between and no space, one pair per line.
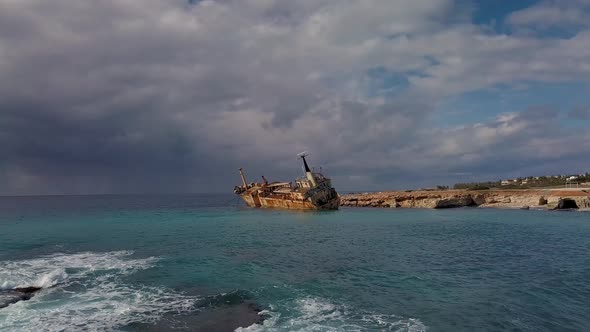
528,182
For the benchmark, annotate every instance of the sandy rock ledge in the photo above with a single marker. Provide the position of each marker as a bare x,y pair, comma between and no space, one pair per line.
526,198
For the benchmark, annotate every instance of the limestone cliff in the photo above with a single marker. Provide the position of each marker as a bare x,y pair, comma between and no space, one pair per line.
526,198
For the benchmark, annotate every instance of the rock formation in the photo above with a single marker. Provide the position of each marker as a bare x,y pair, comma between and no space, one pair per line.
566,204
8,297
439,199
217,313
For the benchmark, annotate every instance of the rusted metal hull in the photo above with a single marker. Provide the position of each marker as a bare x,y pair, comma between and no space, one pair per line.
312,192
293,201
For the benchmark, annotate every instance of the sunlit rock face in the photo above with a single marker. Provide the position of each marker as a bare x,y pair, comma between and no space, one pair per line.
440,199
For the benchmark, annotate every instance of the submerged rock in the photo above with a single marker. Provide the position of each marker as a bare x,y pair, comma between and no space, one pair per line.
27,290
218,313
8,297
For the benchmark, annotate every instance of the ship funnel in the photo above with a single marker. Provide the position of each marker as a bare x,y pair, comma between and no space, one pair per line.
308,172
243,178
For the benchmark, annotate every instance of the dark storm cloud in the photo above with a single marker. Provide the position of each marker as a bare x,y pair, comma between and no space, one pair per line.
161,95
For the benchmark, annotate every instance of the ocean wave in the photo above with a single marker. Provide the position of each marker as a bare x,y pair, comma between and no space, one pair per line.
318,314
100,300
47,271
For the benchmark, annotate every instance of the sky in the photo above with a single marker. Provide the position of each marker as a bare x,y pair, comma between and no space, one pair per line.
173,96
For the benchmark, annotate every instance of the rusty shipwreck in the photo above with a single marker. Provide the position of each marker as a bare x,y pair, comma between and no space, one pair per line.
314,191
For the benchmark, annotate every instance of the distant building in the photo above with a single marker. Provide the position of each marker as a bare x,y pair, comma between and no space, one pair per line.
571,182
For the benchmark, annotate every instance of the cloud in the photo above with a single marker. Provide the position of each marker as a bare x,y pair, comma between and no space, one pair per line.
533,135
553,13
174,96
580,113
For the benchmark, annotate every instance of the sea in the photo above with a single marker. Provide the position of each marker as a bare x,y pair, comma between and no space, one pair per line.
208,263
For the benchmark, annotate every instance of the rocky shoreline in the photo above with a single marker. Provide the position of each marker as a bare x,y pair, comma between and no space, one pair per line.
440,199
217,313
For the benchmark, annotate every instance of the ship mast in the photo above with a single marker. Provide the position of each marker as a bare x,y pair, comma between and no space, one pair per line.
308,172
243,178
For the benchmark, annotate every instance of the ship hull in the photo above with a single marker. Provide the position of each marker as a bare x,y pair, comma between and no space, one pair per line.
312,192
253,200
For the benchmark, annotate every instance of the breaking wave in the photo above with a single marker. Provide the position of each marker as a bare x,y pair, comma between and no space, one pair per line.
317,314
91,293
48,271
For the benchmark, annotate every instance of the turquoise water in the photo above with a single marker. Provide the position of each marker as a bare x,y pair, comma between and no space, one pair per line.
112,262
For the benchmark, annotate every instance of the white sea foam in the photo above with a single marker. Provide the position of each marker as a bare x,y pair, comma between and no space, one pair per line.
47,271
52,278
317,314
100,299
6,284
